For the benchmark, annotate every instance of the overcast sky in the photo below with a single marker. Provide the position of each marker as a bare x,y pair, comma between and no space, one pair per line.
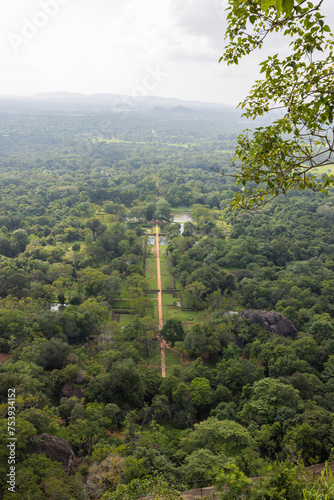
168,48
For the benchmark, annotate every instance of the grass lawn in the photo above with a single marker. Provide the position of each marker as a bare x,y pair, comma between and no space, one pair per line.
149,267
155,311
167,282
168,299
153,283
164,265
166,276
148,229
172,358
178,344
126,318
184,316
165,313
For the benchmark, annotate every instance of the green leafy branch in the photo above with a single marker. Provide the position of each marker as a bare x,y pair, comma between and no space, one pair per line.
280,157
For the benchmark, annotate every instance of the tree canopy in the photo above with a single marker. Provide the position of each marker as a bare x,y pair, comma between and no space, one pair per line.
284,154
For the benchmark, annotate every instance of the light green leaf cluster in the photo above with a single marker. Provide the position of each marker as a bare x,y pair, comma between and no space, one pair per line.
285,6
281,156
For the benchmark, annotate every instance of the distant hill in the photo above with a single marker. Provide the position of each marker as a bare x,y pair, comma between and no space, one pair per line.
62,96
145,102
153,107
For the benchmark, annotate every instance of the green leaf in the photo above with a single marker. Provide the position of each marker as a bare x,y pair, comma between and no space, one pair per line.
278,5
287,6
265,4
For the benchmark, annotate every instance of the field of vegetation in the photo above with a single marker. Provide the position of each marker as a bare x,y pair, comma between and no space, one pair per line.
244,395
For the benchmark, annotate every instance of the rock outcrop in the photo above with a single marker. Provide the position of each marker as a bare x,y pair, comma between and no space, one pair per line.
271,321
80,378
69,390
55,448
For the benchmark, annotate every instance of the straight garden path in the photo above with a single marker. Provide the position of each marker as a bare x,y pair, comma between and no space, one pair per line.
162,341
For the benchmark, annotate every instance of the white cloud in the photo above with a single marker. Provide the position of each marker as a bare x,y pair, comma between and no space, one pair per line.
150,29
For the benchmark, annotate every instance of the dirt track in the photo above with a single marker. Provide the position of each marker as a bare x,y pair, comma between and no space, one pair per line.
162,342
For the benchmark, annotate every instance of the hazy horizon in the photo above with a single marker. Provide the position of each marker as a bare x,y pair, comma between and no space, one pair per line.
124,47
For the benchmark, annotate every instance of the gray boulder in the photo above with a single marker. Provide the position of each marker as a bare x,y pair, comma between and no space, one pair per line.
55,448
271,321
69,390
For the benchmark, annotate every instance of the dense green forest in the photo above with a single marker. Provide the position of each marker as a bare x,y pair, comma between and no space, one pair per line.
246,393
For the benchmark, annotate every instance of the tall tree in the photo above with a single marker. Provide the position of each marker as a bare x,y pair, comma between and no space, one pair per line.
163,211
172,330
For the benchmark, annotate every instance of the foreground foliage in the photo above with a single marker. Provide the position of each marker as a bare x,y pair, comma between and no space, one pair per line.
238,400
284,154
